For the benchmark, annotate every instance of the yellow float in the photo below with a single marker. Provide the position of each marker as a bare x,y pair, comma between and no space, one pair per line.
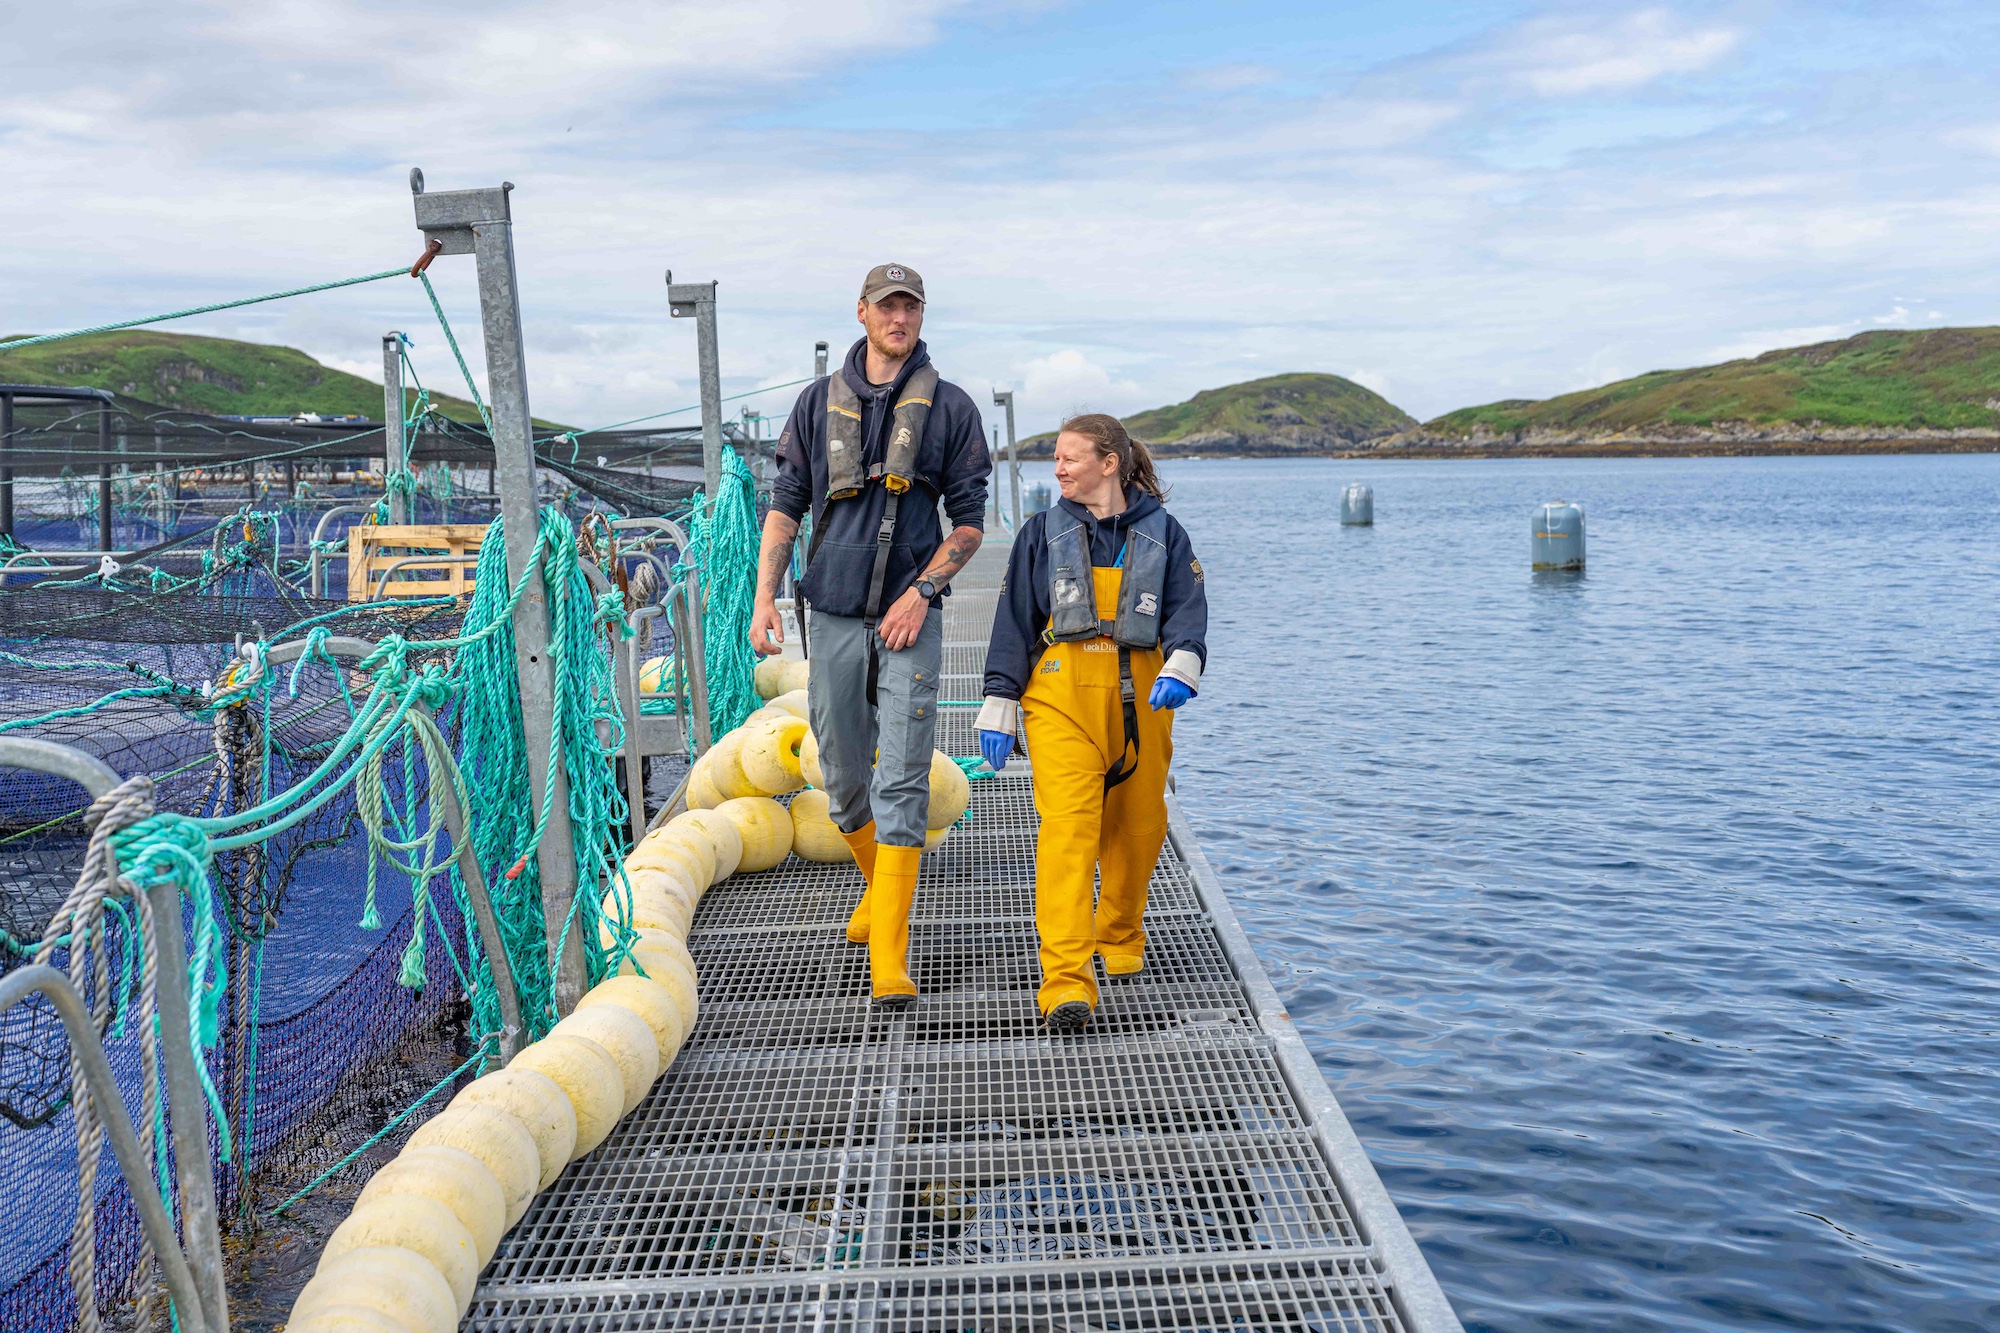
766,828
536,1101
387,1279
418,1224
456,1179
627,1038
721,834
588,1076
496,1138
651,1001
770,755
814,836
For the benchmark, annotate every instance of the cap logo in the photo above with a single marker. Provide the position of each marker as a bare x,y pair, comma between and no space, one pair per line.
896,274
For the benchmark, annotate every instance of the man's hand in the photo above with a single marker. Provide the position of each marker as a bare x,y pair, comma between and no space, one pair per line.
1169,693
900,624
767,628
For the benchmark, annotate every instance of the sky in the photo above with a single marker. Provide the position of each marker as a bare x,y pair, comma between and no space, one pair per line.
1113,205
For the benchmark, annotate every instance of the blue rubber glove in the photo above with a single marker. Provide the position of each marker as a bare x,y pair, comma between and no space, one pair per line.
1169,693
996,746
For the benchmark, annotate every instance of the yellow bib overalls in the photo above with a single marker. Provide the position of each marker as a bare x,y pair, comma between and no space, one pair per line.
1076,734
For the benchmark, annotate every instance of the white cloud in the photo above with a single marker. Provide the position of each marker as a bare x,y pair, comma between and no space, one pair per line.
1119,251
1574,56
1985,138
1747,345
1066,382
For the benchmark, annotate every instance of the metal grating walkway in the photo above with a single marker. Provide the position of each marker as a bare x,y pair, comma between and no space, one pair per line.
810,1164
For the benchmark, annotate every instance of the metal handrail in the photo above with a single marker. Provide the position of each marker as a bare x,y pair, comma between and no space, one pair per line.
88,1051
673,530
458,826
316,579
194,1279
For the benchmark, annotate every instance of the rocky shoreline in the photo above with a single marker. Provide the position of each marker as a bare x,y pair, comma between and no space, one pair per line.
1659,441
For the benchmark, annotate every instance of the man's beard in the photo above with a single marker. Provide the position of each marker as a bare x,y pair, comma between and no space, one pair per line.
888,351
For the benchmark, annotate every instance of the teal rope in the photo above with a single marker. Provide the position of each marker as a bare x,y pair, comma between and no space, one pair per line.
445,324
722,543
203,309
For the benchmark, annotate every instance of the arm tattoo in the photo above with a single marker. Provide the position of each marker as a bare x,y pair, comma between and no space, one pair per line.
776,553
951,557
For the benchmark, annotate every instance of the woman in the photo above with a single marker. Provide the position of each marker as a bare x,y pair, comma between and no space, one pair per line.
1102,609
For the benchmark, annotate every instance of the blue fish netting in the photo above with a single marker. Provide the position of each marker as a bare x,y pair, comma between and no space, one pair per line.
351,974
313,996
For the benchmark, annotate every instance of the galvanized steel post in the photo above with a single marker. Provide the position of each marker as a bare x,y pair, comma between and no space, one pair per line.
478,223
6,465
1006,400
104,475
395,455
697,300
187,1109
819,361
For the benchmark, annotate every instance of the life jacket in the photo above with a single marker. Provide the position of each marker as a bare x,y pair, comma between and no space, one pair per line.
1073,612
847,475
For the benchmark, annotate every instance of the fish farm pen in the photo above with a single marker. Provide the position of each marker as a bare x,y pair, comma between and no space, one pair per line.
357,809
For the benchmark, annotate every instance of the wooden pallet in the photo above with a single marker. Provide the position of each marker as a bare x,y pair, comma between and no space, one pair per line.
374,549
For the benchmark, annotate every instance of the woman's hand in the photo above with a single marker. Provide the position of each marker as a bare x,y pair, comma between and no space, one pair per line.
1169,693
996,746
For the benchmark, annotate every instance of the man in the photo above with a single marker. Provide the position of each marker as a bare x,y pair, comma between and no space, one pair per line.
872,450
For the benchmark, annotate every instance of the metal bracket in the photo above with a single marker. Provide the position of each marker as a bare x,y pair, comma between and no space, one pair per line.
684,298
449,216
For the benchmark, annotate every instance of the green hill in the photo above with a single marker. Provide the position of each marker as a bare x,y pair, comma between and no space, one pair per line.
214,375
1896,378
1281,414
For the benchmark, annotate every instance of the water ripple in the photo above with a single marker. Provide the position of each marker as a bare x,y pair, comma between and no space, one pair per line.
1642,921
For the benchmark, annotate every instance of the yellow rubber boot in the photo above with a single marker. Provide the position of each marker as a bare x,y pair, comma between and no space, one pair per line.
862,843
890,893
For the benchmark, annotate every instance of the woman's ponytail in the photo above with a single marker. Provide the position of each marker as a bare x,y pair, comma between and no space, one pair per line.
1109,436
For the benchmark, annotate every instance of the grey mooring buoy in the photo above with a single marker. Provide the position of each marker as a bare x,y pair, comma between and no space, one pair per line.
1357,505
1558,535
1038,498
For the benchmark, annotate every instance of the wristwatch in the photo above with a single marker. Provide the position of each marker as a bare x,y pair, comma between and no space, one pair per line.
926,589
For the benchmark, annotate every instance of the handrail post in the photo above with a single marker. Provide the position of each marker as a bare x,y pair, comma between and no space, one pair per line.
395,456
104,475
1006,399
187,1110
7,465
697,299
697,664
479,223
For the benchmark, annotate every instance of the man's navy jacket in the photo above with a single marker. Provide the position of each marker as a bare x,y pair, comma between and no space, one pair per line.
952,467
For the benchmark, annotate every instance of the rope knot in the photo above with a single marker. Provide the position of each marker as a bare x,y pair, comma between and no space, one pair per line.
163,846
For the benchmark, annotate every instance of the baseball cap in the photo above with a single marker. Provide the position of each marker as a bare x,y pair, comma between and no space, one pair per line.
885,279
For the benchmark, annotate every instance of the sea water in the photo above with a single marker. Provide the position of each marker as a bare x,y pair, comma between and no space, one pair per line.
1643,921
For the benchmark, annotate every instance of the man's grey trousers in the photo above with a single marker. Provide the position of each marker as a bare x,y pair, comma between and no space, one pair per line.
895,789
